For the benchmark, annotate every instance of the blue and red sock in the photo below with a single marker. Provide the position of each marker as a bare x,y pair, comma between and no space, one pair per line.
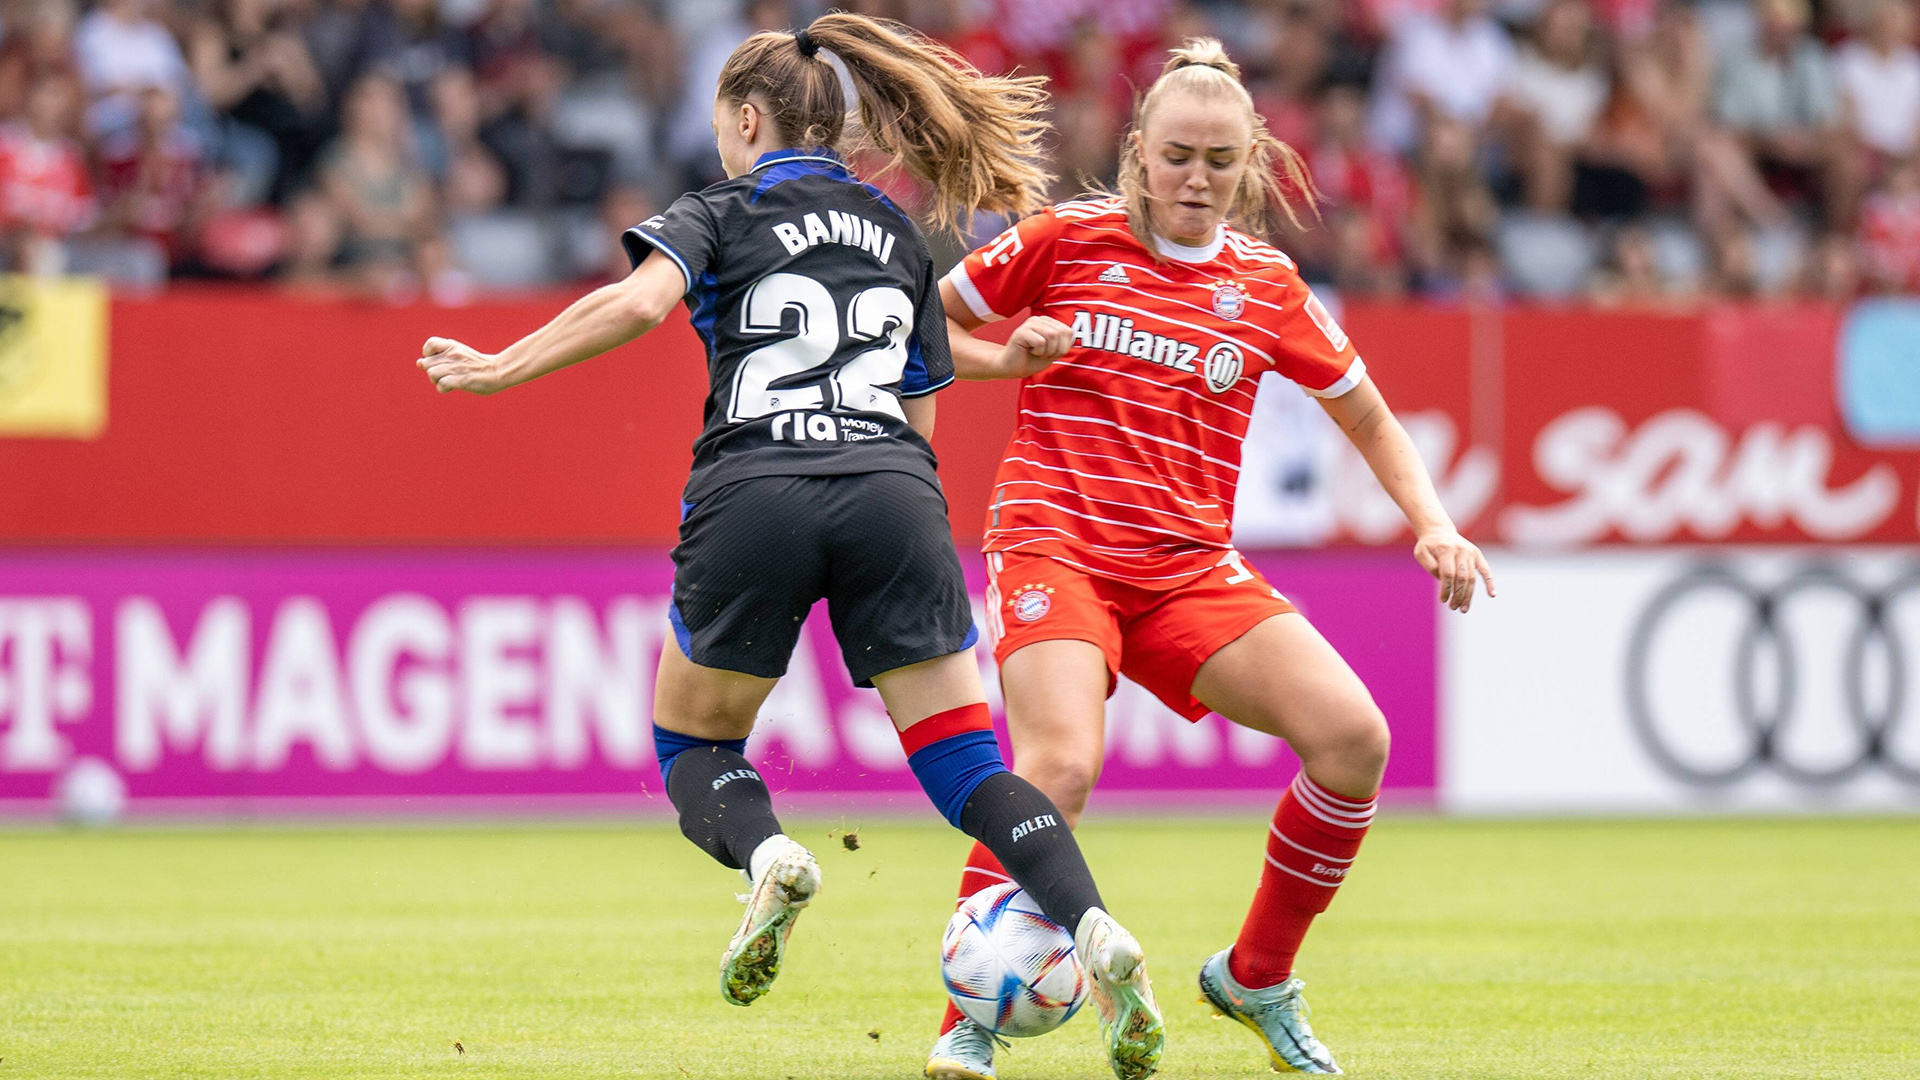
957,761
951,753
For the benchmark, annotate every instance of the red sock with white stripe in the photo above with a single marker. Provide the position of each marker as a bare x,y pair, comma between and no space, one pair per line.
1311,844
983,872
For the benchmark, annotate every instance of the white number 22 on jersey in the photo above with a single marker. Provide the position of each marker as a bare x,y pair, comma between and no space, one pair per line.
882,314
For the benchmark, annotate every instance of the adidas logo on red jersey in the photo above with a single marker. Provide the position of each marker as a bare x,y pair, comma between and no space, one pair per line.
1115,275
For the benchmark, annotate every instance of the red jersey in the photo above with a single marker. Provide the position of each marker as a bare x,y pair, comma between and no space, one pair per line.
1126,455
1890,239
43,184
155,187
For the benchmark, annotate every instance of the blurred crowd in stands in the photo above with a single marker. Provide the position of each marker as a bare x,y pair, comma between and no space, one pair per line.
1629,152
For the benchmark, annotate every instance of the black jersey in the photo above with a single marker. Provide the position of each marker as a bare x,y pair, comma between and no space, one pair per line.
819,307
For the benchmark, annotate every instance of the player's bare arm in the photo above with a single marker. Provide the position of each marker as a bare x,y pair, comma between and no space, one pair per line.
602,320
1037,343
1438,546
919,412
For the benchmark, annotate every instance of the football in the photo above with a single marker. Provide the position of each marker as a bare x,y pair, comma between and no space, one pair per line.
1008,967
91,792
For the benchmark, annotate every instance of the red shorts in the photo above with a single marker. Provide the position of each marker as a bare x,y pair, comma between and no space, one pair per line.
1156,637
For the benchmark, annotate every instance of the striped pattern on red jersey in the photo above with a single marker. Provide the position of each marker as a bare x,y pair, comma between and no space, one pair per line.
1126,454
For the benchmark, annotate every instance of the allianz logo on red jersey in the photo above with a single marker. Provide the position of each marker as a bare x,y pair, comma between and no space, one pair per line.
1221,367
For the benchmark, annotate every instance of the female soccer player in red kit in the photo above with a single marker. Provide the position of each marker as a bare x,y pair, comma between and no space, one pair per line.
1108,541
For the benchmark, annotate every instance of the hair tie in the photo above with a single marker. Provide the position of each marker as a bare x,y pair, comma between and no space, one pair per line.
805,43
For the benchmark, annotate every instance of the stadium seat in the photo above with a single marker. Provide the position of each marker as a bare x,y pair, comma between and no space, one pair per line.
505,249
1679,253
1546,257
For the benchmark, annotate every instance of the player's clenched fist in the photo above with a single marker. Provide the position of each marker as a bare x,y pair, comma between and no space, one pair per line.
454,366
1038,342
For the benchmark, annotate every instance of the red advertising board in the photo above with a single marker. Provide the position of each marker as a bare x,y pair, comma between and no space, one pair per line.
1607,427
246,417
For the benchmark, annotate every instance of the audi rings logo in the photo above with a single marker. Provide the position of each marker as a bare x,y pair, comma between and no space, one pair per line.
1853,675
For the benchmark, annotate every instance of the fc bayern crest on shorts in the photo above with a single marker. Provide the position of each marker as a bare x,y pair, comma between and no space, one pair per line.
1228,300
1031,602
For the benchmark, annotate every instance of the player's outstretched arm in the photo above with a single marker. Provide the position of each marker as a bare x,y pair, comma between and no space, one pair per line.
1363,414
604,319
1037,343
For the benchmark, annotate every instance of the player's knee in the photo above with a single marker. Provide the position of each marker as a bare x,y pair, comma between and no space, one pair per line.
1350,751
1065,777
1364,742
709,715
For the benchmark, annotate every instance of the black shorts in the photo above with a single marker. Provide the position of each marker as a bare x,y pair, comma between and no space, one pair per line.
756,554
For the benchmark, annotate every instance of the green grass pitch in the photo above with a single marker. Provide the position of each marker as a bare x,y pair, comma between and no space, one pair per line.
1458,949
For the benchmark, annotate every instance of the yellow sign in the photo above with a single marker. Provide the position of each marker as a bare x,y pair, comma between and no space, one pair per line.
53,357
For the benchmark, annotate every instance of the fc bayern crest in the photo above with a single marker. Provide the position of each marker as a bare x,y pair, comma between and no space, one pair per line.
1031,602
1228,300
1223,367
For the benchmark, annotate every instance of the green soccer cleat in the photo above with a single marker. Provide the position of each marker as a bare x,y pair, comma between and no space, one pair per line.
753,956
1130,1023
965,1052
1278,1014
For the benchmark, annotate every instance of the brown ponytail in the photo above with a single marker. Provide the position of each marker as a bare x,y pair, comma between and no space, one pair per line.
1275,171
973,139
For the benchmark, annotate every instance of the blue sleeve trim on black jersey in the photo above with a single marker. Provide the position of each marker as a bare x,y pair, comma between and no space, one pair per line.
929,390
913,378
706,305
685,274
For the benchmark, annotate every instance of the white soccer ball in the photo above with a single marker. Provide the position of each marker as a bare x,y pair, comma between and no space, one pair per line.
1008,967
91,792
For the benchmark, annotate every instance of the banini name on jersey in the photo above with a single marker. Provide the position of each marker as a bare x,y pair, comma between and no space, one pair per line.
845,228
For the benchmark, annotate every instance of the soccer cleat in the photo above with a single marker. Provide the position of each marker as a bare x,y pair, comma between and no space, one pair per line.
965,1052
753,956
1278,1014
1130,1023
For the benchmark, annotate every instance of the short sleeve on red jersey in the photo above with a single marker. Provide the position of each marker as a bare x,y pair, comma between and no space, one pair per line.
1007,274
1314,352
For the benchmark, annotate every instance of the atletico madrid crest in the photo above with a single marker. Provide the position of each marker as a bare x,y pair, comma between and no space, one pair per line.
1228,300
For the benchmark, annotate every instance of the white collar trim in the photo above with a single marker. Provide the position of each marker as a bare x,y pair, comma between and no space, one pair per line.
1185,254
797,157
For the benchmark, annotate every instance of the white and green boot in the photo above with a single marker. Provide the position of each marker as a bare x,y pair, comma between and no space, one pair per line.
965,1052
789,882
1130,1024
1278,1014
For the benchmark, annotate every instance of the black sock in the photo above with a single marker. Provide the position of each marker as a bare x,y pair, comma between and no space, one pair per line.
1029,836
725,808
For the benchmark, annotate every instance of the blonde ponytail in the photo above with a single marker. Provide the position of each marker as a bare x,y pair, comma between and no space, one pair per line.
974,140
1275,171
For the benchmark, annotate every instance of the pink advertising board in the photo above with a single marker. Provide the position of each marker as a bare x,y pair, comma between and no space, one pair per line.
517,681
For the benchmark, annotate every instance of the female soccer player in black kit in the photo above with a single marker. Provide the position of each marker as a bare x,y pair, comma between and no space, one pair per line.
826,338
